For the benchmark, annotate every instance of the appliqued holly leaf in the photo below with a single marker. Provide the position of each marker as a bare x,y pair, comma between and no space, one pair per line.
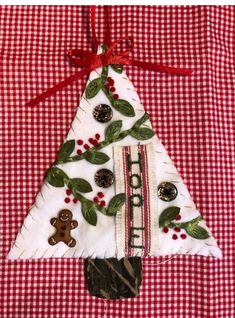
89,213
96,157
116,203
124,107
142,120
142,133
79,185
93,88
113,129
117,68
197,232
168,215
56,177
66,149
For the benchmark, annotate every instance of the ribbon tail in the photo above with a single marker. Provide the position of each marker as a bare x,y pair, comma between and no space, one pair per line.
51,91
161,68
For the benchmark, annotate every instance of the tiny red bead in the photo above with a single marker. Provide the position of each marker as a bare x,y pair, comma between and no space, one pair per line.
178,217
100,195
174,236
165,229
112,89
79,152
107,86
96,200
183,236
91,140
86,146
115,96
80,142
75,200
67,200
102,203
97,136
177,229
68,192
110,80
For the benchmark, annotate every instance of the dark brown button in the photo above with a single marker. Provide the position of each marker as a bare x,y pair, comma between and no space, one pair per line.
167,191
103,113
104,178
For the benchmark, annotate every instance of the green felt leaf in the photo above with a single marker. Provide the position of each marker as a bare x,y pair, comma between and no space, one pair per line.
93,88
168,215
196,231
56,177
96,157
89,213
123,107
117,68
79,185
66,149
142,120
116,203
113,129
142,133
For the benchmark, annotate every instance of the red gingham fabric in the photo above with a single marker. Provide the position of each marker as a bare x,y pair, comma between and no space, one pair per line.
194,117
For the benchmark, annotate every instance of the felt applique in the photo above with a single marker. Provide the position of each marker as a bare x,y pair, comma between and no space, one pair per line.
63,225
115,176
93,171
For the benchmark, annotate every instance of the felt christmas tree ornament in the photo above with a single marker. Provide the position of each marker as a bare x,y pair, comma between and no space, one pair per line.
113,194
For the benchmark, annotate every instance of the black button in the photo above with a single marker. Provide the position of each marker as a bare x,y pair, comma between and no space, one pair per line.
167,191
103,113
104,178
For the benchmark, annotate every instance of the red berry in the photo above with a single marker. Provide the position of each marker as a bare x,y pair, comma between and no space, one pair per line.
110,81
67,200
165,229
93,141
115,96
68,192
97,136
177,229
79,142
174,236
103,203
100,195
107,86
183,236
86,146
96,199
75,200
178,217
79,152
112,89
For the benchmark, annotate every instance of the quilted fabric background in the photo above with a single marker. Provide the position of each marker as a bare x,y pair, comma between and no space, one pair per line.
194,117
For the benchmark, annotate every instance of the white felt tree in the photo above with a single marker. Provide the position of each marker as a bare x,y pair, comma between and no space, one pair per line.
118,190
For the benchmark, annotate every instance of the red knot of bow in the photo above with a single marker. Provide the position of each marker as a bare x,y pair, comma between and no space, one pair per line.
81,58
90,61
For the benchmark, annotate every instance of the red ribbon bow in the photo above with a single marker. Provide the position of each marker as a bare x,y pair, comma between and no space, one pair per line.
90,61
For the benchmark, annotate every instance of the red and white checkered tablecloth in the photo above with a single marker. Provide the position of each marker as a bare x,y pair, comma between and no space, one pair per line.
194,117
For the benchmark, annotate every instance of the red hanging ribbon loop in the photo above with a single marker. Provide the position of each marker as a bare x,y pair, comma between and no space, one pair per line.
90,61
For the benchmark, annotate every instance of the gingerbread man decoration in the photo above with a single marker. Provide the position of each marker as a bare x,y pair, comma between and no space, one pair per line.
63,225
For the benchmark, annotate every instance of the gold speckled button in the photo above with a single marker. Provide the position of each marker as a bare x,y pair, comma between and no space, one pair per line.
167,191
103,113
104,178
